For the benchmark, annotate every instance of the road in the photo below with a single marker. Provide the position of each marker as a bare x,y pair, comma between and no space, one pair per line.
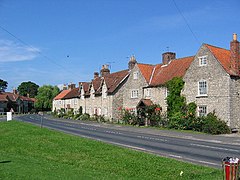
198,149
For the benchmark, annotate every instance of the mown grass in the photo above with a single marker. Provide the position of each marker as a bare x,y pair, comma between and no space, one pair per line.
29,152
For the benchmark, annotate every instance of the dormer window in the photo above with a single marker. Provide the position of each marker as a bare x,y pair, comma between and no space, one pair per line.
202,60
135,75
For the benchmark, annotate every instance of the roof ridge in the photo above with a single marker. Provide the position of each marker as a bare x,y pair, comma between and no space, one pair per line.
216,47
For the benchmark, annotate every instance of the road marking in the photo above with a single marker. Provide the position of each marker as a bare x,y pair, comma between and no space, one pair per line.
95,125
212,147
156,139
175,156
204,162
112,132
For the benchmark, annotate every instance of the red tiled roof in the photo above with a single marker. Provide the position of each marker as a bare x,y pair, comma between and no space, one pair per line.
62,94
159,74
145,102
176,68
96,83
13,97
73,93
146,70
27,99
223,56
3,98
113,80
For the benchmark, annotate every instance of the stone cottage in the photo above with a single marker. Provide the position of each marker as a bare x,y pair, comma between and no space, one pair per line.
145,85
213,82
12,101
103,95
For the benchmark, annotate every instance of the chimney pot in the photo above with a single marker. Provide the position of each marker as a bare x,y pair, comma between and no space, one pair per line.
167,57
132,62
105,70
96,75
234,55
234,36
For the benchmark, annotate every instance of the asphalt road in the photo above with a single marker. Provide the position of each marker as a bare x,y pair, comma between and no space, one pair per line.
198,149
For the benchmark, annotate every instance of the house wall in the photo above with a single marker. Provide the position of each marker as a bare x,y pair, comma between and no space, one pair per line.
235,103
218,85
133,84
157,96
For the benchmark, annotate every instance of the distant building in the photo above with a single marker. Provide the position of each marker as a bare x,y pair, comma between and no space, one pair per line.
15,103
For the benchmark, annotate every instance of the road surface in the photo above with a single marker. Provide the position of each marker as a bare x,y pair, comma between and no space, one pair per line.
195,148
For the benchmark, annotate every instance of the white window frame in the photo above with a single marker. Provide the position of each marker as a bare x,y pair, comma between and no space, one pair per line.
135,75
134,93
148,92
202,88
202,60
202,110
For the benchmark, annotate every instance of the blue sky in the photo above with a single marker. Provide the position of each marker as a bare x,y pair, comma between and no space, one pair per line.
63,41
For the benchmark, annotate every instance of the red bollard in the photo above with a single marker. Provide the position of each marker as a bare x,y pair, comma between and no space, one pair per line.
230,168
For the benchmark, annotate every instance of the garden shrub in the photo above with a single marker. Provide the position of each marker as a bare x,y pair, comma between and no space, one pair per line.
85,117
213,125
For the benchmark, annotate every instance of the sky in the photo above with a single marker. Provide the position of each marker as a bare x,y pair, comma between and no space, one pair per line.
53,42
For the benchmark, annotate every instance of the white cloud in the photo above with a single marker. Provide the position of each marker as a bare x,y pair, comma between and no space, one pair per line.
11,52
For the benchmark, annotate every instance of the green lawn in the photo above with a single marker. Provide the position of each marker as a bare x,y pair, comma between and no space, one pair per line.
29,152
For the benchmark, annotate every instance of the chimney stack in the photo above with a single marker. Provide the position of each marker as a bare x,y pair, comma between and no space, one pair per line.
132,62
167,57
64,87
15,91
105,70
71,86
234,55
96,75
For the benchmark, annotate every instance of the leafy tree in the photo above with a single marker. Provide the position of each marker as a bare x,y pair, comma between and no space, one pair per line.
28,88
3,85
45,96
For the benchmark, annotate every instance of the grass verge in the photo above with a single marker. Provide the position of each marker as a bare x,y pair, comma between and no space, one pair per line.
29,152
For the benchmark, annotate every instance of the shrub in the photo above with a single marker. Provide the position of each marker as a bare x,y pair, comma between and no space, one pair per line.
85,117
213,125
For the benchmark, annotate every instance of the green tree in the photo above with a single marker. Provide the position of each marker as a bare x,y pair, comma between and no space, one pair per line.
45,96
3,85
28,88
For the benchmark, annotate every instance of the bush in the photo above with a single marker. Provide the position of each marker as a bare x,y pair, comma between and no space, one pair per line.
85,117
213,125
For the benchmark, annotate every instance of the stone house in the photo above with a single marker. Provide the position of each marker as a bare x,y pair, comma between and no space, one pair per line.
12,101
145,85
103,95
67,100
213,82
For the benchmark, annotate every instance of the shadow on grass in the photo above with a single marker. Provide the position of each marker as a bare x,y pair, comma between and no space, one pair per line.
1,162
